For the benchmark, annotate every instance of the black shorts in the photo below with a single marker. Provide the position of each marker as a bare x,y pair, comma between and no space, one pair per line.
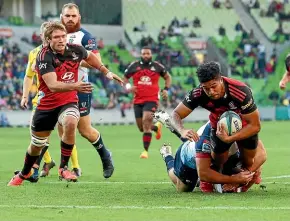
147,106
45,120
219,146
84,103
187,175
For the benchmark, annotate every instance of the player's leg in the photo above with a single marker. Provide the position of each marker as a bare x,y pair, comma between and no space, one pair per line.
183,177
44,154
93,136
74,155
220,151
42,124
138,112
147,122
68,118
248,149
49,163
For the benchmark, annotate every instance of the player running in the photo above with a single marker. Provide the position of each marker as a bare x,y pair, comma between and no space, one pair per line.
57,66
145,74
193,161
71,19
31,75
286,77
218,94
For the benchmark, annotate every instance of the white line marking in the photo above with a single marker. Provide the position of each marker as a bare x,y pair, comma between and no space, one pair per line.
277,177
274,182
146,207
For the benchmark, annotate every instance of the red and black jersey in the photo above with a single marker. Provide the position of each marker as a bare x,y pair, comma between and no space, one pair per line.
238,98
66,68
146,80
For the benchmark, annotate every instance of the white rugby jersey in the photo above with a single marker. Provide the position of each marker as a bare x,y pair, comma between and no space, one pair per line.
84,38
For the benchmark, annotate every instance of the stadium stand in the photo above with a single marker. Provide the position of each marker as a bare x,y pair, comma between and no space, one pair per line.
270,15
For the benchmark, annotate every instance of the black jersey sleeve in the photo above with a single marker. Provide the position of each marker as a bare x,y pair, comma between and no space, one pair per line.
160,68
82,51
192,98
44,62
248,104
131,69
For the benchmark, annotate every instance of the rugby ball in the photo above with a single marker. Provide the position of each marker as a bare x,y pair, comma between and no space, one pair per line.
232,122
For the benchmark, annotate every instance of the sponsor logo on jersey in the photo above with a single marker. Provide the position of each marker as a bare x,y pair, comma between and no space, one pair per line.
91,44
68,77
75,57
42,65
232,106
145,80
250,103
188,97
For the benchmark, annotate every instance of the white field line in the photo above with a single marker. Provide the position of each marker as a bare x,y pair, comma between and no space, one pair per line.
117,207
276,177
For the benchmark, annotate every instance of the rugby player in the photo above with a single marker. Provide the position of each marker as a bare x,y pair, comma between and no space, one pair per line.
71,19
31,75
145,74
218,94
286,77
57,66
193,161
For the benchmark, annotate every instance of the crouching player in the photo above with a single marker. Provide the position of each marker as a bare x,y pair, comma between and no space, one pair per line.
193,161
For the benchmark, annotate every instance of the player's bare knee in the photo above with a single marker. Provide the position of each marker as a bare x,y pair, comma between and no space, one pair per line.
70,124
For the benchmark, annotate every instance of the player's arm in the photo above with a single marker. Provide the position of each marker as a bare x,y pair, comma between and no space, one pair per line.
29,74
48,74
164,91
167,78
251,115
93,61
182,111
86,65
209,175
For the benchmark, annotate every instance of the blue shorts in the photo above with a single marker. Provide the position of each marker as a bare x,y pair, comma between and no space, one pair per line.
84,104
187,175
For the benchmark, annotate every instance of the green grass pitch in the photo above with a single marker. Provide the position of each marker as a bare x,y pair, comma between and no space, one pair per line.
139,189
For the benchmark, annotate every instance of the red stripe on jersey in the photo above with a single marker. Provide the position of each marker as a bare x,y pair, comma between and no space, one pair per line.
95,51
203,155
236,95
196,93
232,81
237,90
42,54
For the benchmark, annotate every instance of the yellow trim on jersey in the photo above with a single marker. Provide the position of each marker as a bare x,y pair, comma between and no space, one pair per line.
30,70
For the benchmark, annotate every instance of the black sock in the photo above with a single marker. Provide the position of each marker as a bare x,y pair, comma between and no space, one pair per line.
44,149
147,140
169,160
100,147
66,150
154,128
28,163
